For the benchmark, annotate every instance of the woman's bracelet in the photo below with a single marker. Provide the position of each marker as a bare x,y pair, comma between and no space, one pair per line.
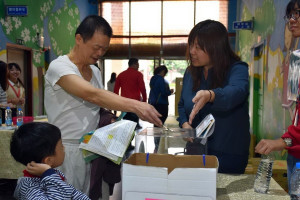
209,95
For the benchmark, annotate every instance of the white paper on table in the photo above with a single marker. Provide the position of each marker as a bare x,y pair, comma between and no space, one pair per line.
112,139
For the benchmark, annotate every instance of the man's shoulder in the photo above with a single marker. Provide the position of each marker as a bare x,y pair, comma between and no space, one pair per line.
60,59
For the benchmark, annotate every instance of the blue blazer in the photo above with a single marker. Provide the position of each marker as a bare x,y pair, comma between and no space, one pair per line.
230,110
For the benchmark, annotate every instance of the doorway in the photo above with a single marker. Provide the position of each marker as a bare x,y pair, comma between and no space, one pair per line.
23,57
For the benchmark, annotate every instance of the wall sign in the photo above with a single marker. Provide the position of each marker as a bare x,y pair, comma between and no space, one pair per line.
16,11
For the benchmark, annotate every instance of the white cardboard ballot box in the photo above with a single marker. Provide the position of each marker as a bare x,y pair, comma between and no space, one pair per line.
169,177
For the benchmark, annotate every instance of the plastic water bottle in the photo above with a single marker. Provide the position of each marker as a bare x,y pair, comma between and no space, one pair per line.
8,116
19,117
295,183
264,174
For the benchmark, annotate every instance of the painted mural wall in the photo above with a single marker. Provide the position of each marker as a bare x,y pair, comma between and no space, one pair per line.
267,51
54,20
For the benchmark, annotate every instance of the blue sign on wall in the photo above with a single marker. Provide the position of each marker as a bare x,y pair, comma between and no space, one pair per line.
16,11
243,25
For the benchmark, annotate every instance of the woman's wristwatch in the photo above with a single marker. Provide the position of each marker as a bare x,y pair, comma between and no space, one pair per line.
288,141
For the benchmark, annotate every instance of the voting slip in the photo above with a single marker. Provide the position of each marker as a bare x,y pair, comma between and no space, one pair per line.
206,127
111,141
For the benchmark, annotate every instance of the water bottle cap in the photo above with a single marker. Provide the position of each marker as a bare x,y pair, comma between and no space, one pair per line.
298,165
7,107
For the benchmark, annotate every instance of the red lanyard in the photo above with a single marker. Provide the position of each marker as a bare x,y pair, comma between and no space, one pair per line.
17,94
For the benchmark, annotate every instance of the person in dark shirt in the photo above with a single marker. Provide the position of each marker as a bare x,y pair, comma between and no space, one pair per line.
158,97
216,82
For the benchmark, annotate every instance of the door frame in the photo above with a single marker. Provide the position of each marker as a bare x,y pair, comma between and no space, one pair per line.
27,75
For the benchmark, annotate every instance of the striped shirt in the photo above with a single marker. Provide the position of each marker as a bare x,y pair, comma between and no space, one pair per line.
50,185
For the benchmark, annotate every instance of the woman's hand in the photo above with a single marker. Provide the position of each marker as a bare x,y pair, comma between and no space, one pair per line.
187,126
267,146
200,99
37,169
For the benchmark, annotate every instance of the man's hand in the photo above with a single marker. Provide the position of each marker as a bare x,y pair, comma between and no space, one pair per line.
148,113
187,126
37,169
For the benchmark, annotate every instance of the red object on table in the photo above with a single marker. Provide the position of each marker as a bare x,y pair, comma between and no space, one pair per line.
26,119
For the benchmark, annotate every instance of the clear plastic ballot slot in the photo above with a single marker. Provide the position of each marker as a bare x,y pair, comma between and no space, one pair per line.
168,140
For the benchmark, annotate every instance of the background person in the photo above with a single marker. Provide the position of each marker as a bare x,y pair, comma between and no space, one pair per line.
291,139
3,88
132,85
38,146
158,97
3,83
216,82
15,91
73,94
111,84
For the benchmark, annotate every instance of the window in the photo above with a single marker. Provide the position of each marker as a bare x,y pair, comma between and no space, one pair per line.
156,28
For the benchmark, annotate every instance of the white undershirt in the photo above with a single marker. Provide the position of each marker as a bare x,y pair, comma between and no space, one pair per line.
71,114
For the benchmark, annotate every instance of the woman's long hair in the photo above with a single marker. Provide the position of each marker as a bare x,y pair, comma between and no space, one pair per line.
11,65
113,77
3,75
212,38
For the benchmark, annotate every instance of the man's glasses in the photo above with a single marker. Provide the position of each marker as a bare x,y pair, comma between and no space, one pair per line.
294,15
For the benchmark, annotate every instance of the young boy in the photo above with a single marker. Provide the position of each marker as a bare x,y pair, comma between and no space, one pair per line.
39,147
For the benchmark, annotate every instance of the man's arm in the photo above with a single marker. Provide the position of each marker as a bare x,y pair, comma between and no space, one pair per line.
76,86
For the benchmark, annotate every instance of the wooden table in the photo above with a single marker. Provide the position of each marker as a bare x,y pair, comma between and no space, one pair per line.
9,168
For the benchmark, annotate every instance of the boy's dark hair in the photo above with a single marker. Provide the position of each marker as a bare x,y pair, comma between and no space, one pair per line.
132,61
91,24
34,141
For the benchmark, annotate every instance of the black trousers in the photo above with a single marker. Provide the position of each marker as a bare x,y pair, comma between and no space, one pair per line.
132,117
163,109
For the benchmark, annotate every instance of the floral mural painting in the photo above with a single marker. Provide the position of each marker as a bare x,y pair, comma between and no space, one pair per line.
25,28
60,25
54,20
271,30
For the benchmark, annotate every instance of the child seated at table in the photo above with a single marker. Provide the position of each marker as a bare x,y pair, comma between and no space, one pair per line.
39,147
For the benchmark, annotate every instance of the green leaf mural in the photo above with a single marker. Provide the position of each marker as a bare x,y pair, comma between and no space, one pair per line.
265,19
264,23
25,28
246,37
62,26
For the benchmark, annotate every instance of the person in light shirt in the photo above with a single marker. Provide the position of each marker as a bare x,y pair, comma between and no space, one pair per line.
15,91
290,140
74,94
